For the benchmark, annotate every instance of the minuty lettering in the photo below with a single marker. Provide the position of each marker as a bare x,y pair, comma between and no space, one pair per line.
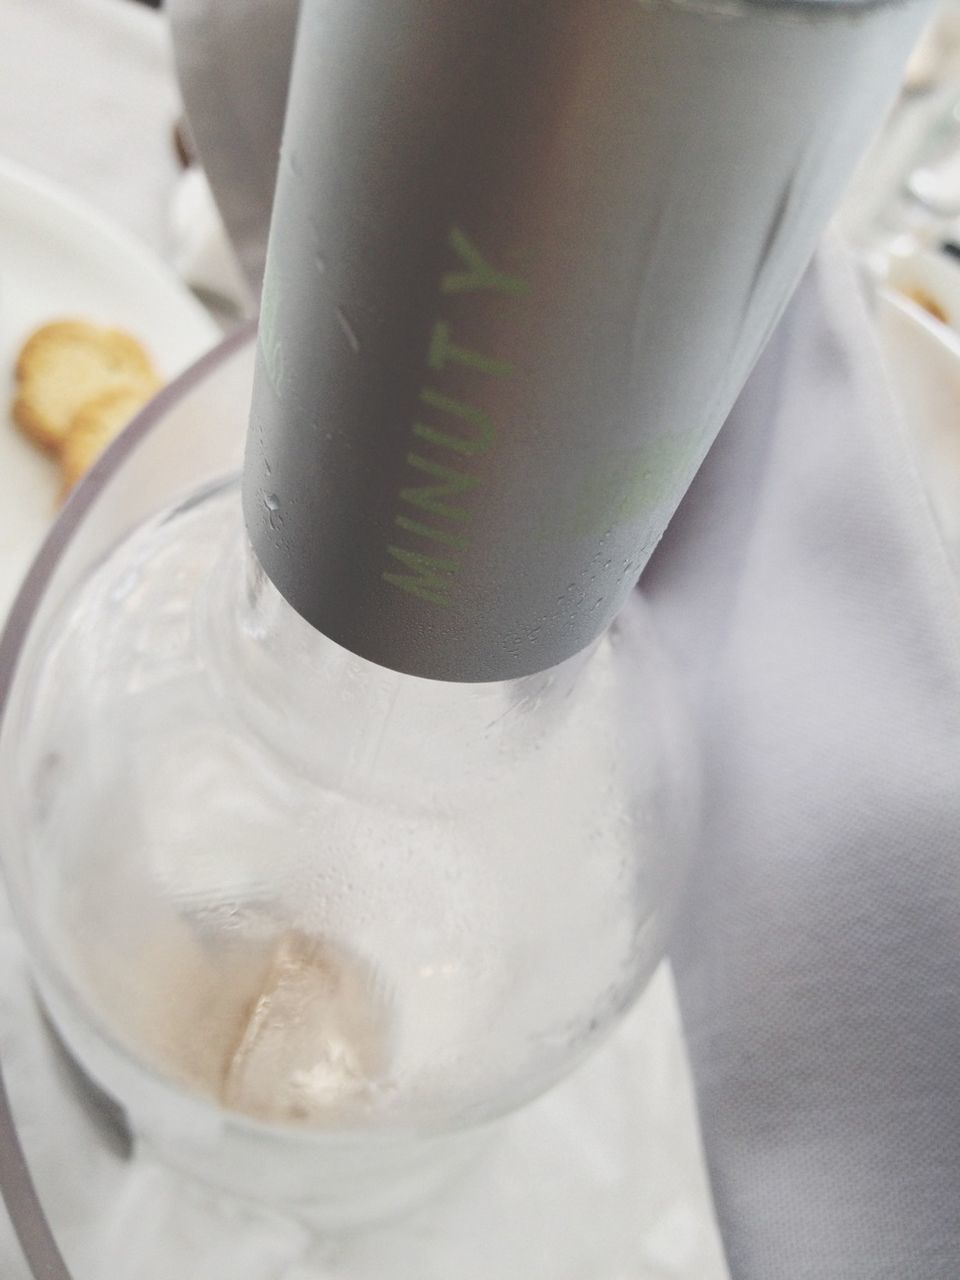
444,464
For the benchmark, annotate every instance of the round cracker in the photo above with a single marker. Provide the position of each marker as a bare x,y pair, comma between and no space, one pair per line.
94,425
66,364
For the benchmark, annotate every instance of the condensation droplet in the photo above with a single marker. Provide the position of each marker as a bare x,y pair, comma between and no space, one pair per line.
348,330
272,504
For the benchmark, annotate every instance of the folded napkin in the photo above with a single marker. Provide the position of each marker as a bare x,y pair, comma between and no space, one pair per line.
805,590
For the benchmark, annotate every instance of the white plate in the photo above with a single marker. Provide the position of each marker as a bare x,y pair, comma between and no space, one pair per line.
58,258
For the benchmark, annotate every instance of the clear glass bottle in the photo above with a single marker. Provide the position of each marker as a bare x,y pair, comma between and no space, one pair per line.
326,895
356,819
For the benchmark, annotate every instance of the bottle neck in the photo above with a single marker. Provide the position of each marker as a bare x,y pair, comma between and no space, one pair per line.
351,725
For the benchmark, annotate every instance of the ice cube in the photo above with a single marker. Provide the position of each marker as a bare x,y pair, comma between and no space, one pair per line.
315,1044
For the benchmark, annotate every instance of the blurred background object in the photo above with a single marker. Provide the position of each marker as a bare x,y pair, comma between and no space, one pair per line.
905,196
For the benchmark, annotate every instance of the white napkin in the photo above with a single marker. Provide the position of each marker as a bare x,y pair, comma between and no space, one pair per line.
805,590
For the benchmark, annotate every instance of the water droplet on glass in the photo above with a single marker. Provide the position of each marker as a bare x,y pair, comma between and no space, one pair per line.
272,504
267,467
348,330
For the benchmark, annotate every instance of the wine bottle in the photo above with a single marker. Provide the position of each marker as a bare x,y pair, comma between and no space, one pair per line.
360,802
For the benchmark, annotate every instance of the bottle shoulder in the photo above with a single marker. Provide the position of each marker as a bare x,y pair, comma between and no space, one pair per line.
183,645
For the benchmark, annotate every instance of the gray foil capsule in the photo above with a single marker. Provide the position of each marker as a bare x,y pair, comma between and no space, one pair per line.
523,256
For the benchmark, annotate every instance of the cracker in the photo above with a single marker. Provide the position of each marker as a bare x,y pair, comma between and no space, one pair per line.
64,365
92,428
